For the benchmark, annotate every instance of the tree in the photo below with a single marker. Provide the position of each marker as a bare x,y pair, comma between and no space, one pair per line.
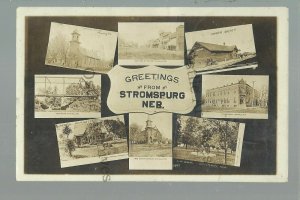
69,143
70,146
190,128
67,130
135,133
178,131
116,126
58,49
227,135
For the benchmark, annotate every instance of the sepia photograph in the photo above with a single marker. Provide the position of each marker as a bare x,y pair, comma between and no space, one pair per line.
221,49
92,141
150,141
67,96
151,43
81,48
208,140
235,96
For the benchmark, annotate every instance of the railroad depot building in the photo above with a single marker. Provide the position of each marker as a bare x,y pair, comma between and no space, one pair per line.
204,54
239,94
80,57
170,41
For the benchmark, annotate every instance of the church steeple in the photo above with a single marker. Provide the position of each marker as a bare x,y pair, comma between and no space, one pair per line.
149,122
75,36
74,43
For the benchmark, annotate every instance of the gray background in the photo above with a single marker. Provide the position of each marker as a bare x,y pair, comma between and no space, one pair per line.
10,189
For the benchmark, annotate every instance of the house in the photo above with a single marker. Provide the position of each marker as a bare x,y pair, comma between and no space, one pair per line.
204,54
238,94
87,135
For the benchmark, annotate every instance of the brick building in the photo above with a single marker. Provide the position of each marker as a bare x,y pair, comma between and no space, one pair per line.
239,94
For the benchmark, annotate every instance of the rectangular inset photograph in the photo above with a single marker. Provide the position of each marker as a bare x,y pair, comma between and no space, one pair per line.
235,96
208,140
81,48
221,49
150,141
92,141
152,43
67,96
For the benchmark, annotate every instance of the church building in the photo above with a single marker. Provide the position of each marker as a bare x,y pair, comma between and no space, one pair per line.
80,57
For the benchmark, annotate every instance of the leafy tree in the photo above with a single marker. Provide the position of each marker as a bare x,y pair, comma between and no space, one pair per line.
116,126
191,127
178,131
135,133
67,130
70,147
58,49
227,135
69,143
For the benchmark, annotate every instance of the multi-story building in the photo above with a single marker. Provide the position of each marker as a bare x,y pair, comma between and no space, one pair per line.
168,40
239,94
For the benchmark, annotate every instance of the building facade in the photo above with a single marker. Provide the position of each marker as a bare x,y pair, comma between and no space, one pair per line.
79,57
238,94
169,41
206,54
150,135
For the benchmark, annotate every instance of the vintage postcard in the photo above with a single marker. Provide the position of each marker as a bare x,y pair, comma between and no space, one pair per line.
67,96
92,141
235,96
208,140
82,48
221,49
150,141
164,56
151,43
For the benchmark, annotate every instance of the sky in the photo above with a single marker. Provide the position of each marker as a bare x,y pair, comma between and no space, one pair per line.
141,33
57,80
213,81
101,41
163,121
241,36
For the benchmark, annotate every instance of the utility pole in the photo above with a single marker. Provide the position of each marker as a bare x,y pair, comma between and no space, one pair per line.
253,93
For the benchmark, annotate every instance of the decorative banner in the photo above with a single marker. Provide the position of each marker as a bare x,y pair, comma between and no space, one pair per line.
151,89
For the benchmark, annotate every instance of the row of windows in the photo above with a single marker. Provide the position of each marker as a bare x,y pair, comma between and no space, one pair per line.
220,93
220,101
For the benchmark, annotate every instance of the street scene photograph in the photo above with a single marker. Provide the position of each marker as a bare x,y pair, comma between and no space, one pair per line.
151,43
208,140
81,48
239,96
92,141
221,49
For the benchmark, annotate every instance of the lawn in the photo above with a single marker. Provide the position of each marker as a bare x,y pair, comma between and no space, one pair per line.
89,151
150,150
186,154
149,53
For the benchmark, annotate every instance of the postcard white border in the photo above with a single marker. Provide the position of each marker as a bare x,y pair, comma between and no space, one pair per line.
282,91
